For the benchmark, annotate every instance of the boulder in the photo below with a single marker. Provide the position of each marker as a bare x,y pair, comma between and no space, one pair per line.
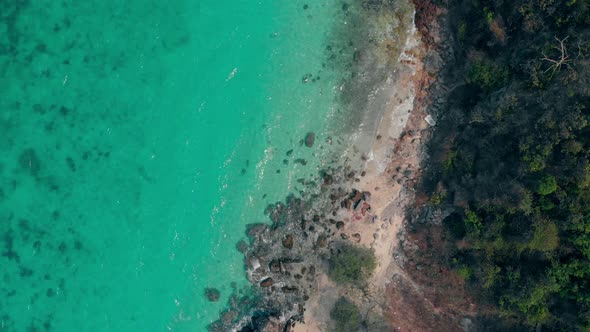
267,282
288,242
356,197
346,204
357,237
322,241
289,289
274,266
228,317
328,179
252,262
254,230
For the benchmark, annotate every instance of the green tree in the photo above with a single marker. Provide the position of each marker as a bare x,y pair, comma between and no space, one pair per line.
487,75
547,185
352,265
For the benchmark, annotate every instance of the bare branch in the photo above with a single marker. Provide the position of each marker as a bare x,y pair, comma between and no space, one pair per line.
564,59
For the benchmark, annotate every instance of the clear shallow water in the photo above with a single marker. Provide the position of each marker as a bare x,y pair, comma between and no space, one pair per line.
138,138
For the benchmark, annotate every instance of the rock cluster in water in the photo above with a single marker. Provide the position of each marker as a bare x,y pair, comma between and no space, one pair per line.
284,258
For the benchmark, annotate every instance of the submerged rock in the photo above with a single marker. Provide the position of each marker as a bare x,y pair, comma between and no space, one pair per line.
254,230
309,139
29,161
300,161
212,294
229,316
242,246
263,321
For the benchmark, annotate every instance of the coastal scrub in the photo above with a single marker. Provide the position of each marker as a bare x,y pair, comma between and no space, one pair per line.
352,265
346,315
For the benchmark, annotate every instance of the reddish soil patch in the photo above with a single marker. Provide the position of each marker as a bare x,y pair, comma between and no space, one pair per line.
408,310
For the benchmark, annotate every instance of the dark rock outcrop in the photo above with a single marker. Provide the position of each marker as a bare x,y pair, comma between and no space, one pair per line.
267,282
288,242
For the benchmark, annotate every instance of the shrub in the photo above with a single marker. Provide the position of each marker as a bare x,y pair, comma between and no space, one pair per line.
487,75
438,198
346,315
352,265
465,272
472,222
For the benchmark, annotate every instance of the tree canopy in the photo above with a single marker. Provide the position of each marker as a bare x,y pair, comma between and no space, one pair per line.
512,154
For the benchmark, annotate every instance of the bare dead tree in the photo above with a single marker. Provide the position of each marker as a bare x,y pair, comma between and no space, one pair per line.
564,59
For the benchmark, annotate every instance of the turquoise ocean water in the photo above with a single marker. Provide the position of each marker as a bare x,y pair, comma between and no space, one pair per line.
137,139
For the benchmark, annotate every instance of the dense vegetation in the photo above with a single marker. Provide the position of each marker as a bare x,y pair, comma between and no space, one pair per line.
346,315
352,264
511,158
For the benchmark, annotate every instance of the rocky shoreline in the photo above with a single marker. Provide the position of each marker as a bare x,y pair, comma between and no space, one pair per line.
287,260
284,258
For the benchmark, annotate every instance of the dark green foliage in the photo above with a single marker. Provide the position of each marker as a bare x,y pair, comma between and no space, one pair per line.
547,185
488,76
517,171
352,265
346,315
